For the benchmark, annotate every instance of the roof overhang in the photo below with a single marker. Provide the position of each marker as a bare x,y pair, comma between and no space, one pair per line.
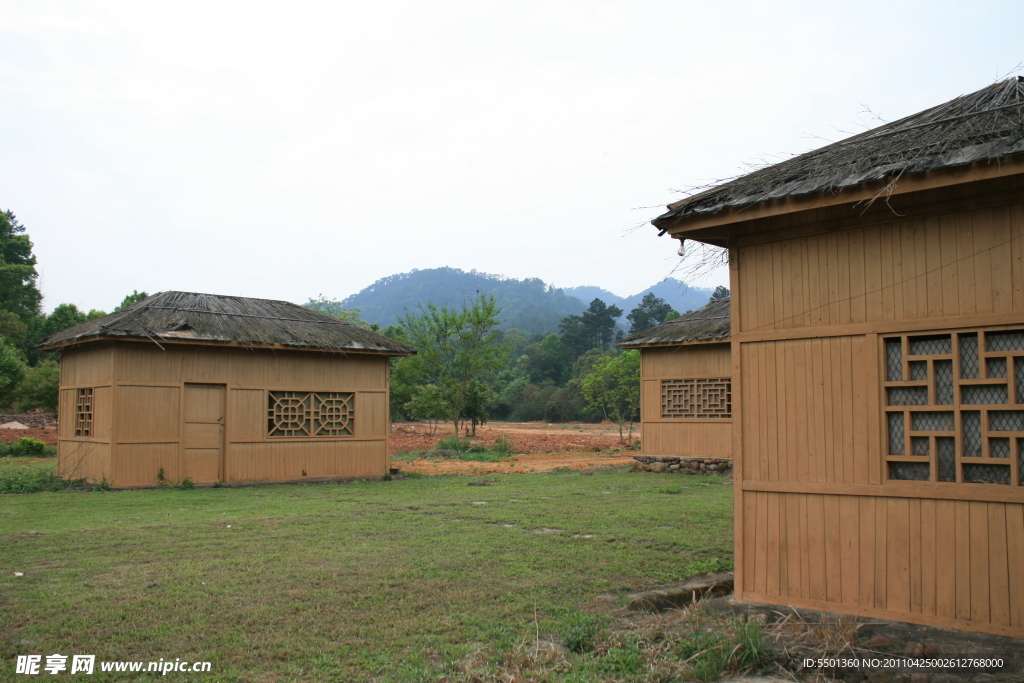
163,340
718,228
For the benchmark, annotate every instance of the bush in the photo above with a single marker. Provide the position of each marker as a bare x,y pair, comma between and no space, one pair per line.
29,480
26,447
578,631
39,388
454,443
503,446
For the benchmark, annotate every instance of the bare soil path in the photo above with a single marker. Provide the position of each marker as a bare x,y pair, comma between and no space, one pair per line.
541,447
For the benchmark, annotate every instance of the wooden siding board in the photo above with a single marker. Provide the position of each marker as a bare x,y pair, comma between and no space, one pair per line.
928,557
961,550
946,566
999,571
979,544
1015,560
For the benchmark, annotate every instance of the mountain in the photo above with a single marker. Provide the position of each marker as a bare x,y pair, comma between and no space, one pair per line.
528,305
679,295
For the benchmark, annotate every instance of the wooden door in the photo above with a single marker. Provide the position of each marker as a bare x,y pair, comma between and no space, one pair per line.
203,460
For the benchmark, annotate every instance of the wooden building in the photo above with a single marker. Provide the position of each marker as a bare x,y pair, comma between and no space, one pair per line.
221,389
686,384
878,367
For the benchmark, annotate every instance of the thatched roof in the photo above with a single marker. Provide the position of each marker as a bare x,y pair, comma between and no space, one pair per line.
198,318
710,323
986,125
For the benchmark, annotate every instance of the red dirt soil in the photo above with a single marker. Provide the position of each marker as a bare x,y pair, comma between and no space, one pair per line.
47,434
543,446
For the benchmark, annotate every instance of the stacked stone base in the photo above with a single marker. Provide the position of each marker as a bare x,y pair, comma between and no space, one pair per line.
683,464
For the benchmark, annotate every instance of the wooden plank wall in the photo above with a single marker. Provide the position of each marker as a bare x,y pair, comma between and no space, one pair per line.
817,523
85,457
667,436
145,435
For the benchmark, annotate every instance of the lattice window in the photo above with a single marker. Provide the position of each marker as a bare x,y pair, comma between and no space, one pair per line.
955,406
83,412
309,413
696,398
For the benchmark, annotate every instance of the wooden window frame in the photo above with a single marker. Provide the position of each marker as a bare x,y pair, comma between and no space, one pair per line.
84,406
956,406
697,413
316,414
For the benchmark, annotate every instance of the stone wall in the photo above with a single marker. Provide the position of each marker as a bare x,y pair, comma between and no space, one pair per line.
682,464
36,420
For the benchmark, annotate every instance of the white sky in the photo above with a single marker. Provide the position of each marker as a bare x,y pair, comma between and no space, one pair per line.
287,149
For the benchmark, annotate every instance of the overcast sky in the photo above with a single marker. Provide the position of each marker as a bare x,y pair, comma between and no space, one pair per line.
283,150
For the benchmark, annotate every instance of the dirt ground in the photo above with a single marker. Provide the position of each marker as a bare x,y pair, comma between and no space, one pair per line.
542,447
47,434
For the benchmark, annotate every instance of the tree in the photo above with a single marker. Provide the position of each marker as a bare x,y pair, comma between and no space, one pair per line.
720,293
479,398
135,297
649,312
19,294
335,309
12,370
40,387
456,347
594,329
428,403
613,387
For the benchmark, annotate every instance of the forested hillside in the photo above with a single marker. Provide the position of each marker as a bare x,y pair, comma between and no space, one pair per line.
528,305
676,293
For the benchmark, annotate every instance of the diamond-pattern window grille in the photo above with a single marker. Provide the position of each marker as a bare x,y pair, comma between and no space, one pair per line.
946,446
912,471
896,434
1004,341
996,367
893,360
696,398
969,356
999,448
986,474
931,422
308,413
919,370
1006,421
1018,373
971,422
984,395
965,412
907,396
83,412
944,382
1020,460
931,345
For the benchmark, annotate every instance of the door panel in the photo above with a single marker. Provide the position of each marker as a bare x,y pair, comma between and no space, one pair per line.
204,433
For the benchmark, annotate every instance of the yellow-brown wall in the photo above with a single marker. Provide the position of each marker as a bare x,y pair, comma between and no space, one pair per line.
139,397
817,523
675,436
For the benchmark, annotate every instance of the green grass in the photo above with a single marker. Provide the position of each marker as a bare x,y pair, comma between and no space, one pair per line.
386,580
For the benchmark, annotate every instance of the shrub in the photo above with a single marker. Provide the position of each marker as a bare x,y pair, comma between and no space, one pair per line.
29,480
26,445
503,445
39,388
186,484
578,631
454,443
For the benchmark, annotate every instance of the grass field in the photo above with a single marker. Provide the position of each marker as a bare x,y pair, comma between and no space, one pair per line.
384,580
